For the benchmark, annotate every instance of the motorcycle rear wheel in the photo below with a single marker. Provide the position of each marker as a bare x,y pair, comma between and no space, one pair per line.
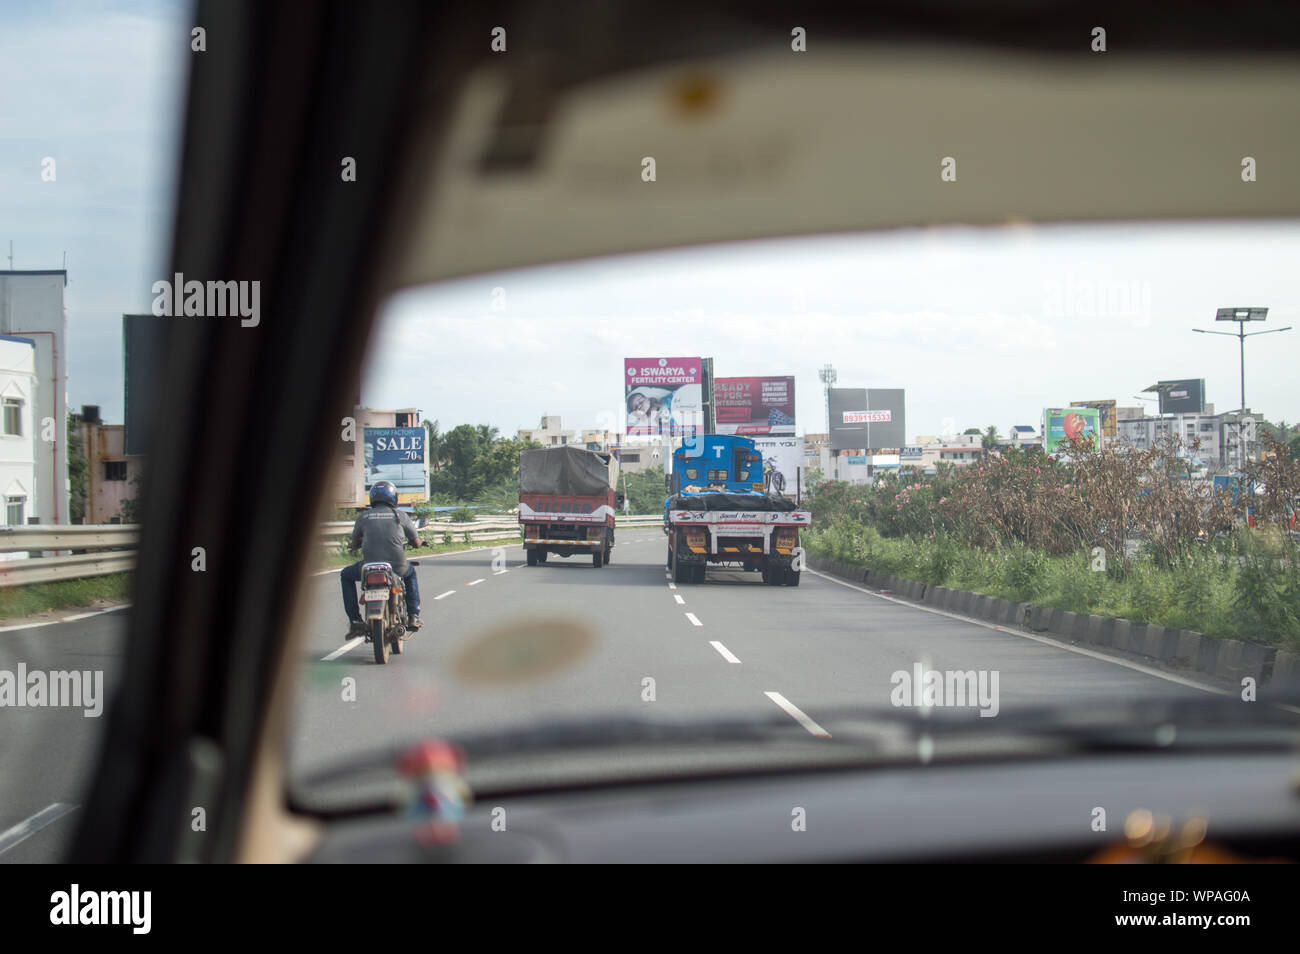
378,638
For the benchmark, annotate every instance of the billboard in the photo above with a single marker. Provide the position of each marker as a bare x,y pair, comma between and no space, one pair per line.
397,454
142,369
782,462
664,395
1107,420
754,405
1063,424
864,418
1182,396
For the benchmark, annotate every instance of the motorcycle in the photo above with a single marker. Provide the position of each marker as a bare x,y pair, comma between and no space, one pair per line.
384,595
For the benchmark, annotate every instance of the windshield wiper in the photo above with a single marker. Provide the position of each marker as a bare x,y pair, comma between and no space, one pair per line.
859,737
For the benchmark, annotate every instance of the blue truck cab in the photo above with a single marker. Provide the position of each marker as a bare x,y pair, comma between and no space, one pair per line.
717,462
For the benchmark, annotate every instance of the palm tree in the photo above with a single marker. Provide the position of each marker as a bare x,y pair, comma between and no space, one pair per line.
990,439
433,444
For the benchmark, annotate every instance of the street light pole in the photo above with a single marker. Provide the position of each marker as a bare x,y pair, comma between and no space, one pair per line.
1241,316
828,378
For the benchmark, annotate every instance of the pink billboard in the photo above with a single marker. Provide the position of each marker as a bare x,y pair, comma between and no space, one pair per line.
664,395
763,405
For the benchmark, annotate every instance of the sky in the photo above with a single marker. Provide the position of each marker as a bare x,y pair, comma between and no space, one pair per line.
979,326
97,85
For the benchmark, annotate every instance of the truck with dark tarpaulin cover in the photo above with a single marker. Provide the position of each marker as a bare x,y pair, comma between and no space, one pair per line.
567,503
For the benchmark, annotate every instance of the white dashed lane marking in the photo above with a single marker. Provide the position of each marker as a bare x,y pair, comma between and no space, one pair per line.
795,713
724,651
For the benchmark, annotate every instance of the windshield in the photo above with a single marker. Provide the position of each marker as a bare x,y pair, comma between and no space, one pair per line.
958,411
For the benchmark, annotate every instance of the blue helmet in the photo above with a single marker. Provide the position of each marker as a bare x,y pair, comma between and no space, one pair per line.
383,492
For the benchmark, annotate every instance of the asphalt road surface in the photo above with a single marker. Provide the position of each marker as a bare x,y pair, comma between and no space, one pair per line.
506,645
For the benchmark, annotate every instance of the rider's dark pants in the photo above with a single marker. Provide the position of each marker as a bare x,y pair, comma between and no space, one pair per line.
351,576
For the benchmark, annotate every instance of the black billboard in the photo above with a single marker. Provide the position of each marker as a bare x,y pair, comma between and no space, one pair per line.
867,418
141,378
1182,396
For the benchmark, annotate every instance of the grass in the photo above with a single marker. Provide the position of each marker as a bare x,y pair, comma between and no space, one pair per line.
19,602
1254,599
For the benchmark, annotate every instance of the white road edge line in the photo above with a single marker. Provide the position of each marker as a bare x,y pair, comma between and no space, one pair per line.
474,582
678,598
441,595
1138,667
347,647
724,651
795,713
30,826
65,619
694,620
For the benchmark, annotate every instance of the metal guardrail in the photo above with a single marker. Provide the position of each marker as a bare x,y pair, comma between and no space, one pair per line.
111,547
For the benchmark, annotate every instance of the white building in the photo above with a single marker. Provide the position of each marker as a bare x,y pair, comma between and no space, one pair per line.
1217,433
32,306
548,433
18,391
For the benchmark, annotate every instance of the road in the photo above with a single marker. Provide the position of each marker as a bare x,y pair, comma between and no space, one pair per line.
728,647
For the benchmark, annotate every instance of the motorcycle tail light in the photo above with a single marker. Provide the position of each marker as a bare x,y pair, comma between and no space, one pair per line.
376,579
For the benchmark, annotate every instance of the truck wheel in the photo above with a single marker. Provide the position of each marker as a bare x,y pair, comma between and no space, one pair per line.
767,574
792,577
597,559
541,555
681,572
609,552
532,558
698,575
669,562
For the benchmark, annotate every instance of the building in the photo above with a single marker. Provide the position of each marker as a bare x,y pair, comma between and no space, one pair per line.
548,433
1023,437
596,439
644,455
32,307
1217,433
18,451
111,476
371,455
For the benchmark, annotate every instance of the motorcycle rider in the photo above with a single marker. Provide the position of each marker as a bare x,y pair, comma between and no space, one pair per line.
381,532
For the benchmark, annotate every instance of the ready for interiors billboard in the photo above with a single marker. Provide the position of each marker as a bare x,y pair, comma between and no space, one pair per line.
866,418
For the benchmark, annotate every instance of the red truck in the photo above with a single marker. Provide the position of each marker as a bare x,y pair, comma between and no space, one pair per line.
567,503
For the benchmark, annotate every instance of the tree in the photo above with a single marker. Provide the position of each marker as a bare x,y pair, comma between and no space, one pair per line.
78,470
990,439
464,448
972,430
133,506
433,444
645,490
